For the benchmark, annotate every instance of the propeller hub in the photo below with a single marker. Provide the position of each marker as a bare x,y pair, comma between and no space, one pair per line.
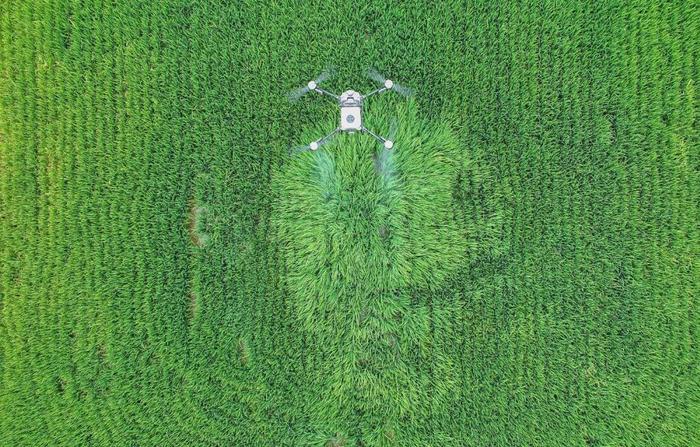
313,146
388,84
388,144
311,85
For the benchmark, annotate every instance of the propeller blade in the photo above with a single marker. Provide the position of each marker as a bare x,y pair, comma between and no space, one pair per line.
375,75
384,162
402,90
325,75
297,93
390,139
391,85
393,128
298,150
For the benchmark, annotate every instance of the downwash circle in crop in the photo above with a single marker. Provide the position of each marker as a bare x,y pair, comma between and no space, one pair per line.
354,218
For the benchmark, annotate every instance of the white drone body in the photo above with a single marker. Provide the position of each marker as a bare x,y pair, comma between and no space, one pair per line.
350,111
350,103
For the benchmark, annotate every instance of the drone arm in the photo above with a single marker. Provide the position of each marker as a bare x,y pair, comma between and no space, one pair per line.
321,141
377,137
327,137
325,92
374,92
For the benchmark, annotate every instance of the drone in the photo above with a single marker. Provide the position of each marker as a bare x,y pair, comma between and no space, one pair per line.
350,103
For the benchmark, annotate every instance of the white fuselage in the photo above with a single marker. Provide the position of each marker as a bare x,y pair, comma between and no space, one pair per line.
350,111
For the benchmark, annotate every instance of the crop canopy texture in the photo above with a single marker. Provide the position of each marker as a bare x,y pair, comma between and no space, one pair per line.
361,227
522,269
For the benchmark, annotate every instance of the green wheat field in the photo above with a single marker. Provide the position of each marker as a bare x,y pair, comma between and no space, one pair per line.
521,269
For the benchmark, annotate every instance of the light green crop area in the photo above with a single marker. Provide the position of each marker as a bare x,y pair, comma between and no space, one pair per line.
520,270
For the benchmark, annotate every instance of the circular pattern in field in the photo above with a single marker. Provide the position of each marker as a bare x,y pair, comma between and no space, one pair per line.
355,217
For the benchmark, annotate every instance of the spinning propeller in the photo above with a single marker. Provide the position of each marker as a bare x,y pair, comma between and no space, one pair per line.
388,83
311,85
